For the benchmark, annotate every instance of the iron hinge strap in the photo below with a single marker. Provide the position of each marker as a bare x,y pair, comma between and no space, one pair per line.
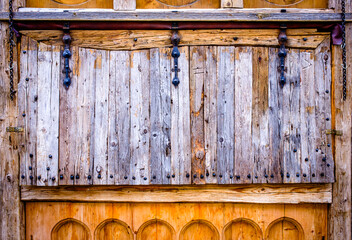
282,38
15,129
67,54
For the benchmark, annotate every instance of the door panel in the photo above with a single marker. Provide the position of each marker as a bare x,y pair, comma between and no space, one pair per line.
228,122
172,221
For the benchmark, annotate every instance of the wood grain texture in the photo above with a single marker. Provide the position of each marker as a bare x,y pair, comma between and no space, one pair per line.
225,115
125,39
258,193
177,4
289,4
70,4
124,5
232,3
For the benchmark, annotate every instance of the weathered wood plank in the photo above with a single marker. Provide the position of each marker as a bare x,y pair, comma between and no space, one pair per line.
232,3
197,79
180,124
260,116
293,161
125,39
69,133
275,95
122,122
323,61
225,114
124,5
156,148
140,118
22,110
210,113
301,193
101,118
48,115
307,112
243,164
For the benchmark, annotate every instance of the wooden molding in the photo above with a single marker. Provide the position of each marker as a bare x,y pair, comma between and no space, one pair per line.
232,3
292,194
125,39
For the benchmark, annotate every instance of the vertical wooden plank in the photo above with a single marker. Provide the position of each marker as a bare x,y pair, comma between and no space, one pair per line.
165,100
123,116
260,115
232,3
156,151
275,117
140,118
243,111
307,114
48,114
22,110
225,114
290,113
340,210
32,111
197,75
320,119
124,4
69,133
83,160
180,124
101,117
210,113
323,62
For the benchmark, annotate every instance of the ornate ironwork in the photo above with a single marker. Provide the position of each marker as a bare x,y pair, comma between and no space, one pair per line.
282,53
175,40
344,60
67,54
11,44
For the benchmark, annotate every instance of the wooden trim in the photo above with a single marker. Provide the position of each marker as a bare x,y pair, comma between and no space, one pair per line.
232,3
125,39
292,194
180,15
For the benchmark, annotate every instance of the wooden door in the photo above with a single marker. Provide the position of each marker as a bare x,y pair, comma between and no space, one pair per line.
171,221
122,122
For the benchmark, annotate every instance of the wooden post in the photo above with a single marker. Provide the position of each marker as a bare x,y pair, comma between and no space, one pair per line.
125,5
231,3
340,209
11,209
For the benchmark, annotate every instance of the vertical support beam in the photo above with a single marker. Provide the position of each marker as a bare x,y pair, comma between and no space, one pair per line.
340,209
124,5
231,3
11,209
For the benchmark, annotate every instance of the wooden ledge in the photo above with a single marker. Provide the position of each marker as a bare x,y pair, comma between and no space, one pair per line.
242,15
289,194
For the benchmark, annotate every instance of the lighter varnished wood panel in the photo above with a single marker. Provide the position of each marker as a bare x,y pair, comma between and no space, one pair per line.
70,3
167,4
285,4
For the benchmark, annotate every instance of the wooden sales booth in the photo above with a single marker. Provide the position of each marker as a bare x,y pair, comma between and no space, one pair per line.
175,119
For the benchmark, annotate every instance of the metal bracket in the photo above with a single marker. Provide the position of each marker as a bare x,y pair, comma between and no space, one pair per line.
14,129
67,54
333,132
282,53
175,40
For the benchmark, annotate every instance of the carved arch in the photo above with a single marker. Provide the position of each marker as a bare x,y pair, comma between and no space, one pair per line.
81,232
115,228
208,229
252,228
295,228
165,229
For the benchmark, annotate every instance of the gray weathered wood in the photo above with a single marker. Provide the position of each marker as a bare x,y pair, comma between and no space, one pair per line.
232,3
124,5
243,113
197,79
48,115
101,118
225,114
210,113
307,111
140,118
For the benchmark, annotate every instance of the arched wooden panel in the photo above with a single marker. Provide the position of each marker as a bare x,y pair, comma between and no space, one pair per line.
113,229
242,229
156,229
161,4
285,4
199,230
70,229
285,229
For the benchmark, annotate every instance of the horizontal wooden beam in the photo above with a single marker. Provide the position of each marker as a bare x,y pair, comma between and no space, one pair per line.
179,15
291,194
144,39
